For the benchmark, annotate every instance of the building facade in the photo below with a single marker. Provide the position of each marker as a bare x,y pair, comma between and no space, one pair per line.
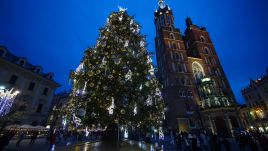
195,87
36,88
255,113
56,119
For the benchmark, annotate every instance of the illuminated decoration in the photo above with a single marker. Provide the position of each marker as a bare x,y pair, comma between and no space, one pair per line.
198,71
77,121
149,101
211,95
125,133
64,122
111,108
161,4
121,9
87,132
135,110
80,68
128,76
260,114
7,98
117,79
205,79
84,89
261,129
161,134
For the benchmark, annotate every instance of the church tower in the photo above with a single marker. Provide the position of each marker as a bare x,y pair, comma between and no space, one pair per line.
174,72
195,88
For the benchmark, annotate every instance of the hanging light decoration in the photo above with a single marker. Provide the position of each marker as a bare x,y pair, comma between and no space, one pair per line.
7,98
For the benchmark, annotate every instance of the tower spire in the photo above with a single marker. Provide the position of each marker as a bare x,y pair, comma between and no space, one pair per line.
161,3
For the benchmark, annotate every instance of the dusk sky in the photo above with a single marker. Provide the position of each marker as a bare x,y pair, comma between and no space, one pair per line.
55,33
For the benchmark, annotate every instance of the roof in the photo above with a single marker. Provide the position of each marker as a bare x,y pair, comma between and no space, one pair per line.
8,56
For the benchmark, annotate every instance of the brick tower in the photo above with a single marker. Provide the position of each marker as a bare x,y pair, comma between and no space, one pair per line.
195,87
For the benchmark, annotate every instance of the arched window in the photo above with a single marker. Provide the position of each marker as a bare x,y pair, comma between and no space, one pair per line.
198,71
22,62
38,69
50,75
202,38
172,36
206,50
174,46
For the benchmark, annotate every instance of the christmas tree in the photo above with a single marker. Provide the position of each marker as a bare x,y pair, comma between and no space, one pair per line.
115,81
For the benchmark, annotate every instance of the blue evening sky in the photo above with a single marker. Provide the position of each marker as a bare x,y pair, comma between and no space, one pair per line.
54,33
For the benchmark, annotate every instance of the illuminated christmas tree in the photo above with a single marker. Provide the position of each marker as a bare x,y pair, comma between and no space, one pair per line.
115,82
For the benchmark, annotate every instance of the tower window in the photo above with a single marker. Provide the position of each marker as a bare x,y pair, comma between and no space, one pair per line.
172,36
202,39
31,86
198,71
206,50
13,79
177,57
180,69
174,46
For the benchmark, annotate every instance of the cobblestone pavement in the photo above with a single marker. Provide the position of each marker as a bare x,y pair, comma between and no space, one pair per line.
42,145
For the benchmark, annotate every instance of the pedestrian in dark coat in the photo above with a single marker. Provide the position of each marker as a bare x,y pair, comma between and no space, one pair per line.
226,144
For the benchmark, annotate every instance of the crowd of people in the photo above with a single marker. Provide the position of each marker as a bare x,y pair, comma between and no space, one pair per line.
202,141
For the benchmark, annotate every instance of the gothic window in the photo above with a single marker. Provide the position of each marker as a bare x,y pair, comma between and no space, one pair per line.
177,57
180,69
206,50
171,55
173,67
174,46
179,46
182,81
219,72
184,68
172,36
214,61
198,71
181,54
187,45
202,39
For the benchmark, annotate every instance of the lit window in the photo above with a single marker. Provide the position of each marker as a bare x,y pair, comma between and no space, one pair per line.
260,113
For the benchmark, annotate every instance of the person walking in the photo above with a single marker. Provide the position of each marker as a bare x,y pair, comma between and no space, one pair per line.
33,137
226,144
203,140
21,137
263,142
52,142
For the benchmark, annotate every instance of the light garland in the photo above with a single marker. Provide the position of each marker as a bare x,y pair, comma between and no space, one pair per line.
7,98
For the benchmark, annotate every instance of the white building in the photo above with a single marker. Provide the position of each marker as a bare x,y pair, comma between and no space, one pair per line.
36,88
